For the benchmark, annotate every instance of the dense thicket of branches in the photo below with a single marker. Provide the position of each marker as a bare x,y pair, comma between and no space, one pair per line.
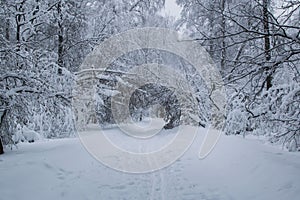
257,47
41,44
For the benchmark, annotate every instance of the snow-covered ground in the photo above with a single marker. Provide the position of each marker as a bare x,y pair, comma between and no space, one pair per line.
238,168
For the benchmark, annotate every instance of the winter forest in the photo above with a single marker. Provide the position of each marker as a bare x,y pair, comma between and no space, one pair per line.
254,45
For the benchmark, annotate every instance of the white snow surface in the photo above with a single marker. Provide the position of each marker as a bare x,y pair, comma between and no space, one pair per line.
237,169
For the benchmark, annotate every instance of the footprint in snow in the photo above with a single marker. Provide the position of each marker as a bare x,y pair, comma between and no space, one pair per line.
119,187
48,166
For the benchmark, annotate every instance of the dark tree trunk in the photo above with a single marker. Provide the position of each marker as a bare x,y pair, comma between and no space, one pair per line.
7,26
223,31
212,21
266,29
267,39
60,35
269,82
1,121
20,18
1,147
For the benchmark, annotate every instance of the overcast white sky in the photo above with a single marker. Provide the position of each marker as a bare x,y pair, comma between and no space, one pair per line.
171,9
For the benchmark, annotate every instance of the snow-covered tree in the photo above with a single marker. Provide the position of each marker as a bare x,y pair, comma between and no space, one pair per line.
259,42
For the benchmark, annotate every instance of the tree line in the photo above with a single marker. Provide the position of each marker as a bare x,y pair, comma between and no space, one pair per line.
255,44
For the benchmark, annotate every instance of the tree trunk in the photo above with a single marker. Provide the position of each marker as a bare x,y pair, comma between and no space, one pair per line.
1,147
2,115
223,31
266,29
60,35
20,18
267,39
211,19
7,26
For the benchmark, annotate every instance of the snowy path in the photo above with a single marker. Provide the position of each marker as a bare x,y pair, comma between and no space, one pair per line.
237,169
